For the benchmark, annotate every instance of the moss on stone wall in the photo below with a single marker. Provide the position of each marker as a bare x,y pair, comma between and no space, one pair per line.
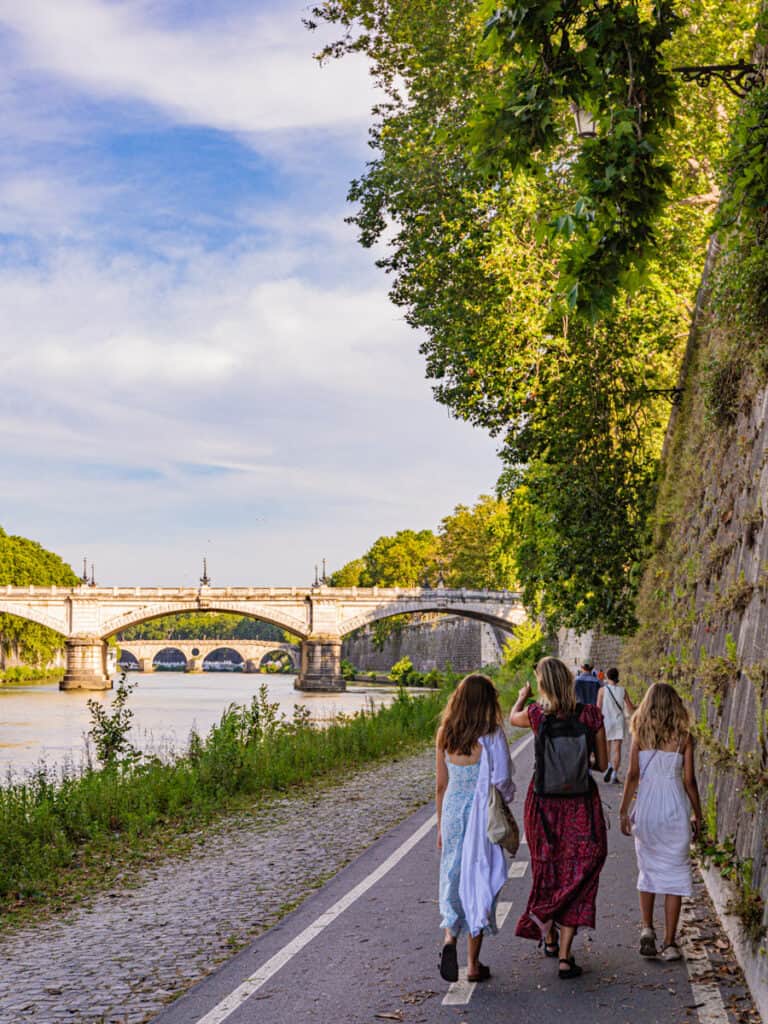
703,601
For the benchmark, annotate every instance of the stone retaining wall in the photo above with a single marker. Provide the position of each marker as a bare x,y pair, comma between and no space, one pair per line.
601,649
431,642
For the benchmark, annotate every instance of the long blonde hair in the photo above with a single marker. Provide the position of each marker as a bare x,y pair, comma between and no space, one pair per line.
556,686
472,711
661,718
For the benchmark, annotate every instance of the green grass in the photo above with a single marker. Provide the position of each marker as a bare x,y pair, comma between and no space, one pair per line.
21,674
59,834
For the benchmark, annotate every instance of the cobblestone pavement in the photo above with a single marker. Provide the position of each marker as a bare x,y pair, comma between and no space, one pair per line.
120,958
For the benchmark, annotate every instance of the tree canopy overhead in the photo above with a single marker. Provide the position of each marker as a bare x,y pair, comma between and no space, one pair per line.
551,277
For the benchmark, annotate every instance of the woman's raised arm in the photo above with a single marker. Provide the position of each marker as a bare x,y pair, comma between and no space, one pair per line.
518,716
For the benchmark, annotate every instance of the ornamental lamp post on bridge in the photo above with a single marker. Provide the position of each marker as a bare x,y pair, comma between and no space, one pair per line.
205,579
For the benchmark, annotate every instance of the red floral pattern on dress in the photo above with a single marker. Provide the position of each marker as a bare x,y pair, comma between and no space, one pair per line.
568,854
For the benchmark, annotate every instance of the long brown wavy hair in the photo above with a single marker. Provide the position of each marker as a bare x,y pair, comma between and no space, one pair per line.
472,711
661,718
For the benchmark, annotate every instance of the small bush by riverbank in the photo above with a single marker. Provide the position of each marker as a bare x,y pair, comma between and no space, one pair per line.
20,674
54,827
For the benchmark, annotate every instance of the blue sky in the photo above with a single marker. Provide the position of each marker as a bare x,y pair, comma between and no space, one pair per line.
197,357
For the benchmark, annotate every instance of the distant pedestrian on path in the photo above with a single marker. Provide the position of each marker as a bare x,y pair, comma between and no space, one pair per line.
587,685
472,753
564,821
613,702
662,773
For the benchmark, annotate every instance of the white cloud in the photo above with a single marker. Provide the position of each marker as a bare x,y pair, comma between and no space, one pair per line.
309,399
252,75
36,203
262,400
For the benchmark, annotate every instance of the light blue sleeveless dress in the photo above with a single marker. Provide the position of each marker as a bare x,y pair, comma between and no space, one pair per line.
457,804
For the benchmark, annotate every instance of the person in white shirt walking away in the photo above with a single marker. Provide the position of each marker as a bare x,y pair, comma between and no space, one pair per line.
662,773
613,701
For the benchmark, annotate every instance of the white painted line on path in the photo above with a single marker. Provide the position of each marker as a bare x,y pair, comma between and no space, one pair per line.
706,993
259,978
517,868
460,992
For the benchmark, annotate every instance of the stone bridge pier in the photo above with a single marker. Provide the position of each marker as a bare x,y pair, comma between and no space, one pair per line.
86,664
320,664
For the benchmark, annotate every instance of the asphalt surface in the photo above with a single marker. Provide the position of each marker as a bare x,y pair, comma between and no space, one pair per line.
365,948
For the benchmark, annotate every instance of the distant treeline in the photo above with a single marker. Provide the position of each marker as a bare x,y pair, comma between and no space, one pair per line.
205,626
23,562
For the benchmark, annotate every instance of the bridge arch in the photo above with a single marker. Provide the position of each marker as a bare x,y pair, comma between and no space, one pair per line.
128,660
275,616
279,656
209,661
504,617
157,661
33,614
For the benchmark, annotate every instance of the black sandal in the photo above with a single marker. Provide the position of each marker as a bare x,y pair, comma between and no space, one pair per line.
483,973
449,962
551,949
571,971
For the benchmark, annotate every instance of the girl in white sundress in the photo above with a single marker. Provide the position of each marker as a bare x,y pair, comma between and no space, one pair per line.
612,700
661,772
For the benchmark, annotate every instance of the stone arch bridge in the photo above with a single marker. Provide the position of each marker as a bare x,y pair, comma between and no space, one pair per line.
319,616
194,652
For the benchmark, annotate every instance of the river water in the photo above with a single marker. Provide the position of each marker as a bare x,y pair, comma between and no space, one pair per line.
43,723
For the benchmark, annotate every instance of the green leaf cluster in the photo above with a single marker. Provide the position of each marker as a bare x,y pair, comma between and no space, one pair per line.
472,549
551,278
24,562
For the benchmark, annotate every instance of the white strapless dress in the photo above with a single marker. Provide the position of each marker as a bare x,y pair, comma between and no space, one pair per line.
662,826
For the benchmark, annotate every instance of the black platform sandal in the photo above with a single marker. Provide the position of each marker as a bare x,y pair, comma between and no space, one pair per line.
449,962
551,949
571,971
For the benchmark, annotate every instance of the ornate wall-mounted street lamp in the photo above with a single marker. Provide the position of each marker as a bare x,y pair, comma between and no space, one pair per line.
673,395
205,579
84,577
585,123
738,79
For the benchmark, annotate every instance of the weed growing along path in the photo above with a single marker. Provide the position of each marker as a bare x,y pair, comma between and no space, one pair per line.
60,838
126,952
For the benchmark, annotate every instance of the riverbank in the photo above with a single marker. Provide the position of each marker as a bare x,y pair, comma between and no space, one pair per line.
61,837
167,919
22,675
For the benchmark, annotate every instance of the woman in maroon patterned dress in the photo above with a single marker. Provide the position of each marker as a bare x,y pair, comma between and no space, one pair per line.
566,835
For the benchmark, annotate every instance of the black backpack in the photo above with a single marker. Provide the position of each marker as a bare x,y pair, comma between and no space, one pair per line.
563,746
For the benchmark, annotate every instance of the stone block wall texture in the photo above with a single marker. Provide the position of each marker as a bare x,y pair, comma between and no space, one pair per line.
703,602
430,642
603,650
10,658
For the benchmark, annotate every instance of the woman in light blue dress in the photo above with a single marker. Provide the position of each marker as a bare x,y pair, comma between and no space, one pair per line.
472,752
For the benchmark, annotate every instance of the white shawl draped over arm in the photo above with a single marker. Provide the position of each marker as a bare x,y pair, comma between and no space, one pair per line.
483,867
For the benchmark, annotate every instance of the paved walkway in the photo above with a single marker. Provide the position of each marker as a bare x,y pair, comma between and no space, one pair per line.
361,948
364,949
122,957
